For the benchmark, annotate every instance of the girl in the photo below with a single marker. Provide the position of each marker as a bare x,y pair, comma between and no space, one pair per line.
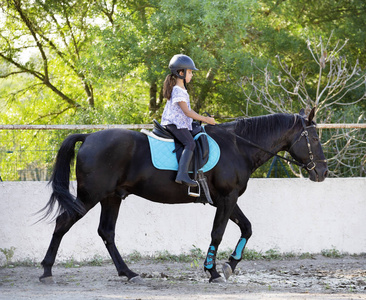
178,115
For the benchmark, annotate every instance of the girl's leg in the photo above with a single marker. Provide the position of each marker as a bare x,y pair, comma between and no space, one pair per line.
185,137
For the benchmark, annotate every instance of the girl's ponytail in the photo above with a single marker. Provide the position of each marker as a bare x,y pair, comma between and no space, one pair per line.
169,83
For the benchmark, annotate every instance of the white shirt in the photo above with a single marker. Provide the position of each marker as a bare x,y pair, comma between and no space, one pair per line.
173,114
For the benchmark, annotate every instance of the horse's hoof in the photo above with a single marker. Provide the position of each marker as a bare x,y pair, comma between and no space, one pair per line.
47,280
218,280
226,269
137,280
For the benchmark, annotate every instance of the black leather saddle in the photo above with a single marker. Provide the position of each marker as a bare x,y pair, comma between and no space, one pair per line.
161,131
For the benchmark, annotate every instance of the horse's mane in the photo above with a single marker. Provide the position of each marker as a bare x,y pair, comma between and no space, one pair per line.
264,126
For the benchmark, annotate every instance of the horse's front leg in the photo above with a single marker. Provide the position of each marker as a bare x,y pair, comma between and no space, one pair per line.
241,220
223,212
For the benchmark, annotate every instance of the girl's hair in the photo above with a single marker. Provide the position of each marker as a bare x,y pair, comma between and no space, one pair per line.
169,83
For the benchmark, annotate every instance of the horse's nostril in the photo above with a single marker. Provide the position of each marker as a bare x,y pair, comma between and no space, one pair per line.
325,173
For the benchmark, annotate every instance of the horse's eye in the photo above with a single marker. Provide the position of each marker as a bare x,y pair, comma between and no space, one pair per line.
315,139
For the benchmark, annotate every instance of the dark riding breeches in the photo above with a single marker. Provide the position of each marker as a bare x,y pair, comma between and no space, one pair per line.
182,135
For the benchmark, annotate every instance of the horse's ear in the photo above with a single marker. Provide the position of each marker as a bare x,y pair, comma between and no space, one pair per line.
311,115
302,112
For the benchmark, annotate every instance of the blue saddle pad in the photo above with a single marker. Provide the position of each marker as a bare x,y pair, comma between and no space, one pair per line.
164,158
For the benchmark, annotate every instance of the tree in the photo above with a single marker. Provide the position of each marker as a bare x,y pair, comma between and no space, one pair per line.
104,61
346,19
146,34
58,32
329,90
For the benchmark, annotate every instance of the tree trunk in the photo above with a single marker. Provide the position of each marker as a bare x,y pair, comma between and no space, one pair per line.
90,93
153,91
205,89
161,97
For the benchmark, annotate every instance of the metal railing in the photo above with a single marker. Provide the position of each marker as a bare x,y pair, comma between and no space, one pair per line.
143,126
25,154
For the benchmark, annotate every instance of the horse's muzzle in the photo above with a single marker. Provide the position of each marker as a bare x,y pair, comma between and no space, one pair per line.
319,173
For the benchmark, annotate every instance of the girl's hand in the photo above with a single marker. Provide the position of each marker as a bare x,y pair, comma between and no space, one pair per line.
192,114
210,120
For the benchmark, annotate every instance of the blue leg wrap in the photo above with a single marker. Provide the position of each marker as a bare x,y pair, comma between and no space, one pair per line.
210,258
238,252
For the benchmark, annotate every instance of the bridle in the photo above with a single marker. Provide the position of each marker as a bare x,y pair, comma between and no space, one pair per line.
310,165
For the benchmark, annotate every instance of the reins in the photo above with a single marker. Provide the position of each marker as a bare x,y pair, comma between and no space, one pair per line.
270,152
310,166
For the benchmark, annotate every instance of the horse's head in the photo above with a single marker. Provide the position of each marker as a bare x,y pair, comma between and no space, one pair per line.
306,147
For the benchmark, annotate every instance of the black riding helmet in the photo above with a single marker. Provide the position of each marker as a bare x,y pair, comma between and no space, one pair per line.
181,62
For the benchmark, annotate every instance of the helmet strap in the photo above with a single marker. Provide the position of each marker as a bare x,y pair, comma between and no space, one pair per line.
176,73
180,76
184,78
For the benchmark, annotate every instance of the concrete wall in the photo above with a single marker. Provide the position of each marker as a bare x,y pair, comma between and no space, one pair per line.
286,214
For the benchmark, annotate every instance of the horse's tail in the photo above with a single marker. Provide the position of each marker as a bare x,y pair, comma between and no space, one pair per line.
60,180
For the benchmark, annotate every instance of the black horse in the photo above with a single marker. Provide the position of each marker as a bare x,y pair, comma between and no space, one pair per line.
111,164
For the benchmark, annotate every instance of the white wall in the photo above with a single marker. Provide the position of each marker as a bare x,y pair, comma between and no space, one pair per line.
287,214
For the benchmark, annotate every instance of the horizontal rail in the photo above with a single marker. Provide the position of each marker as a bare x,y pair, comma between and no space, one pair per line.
332,126
78,127
141,126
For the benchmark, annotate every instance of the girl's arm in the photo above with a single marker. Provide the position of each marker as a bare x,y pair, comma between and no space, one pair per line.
192,114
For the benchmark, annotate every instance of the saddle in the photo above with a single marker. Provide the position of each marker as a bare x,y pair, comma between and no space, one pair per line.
164,146
201,151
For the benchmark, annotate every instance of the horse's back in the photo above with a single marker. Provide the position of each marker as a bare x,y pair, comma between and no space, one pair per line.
103,146
105,158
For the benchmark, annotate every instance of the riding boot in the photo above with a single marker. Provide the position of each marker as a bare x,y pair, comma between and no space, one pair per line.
182,175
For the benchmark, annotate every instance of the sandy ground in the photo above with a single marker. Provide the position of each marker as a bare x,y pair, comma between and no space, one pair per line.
317,278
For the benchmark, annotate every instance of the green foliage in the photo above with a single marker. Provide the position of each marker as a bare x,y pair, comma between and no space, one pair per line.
9,253
332,253
134,256
250,254
97,261
306,255
272,254
104,62
71,263
197,253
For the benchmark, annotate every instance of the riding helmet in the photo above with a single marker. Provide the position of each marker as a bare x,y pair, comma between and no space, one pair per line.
181,62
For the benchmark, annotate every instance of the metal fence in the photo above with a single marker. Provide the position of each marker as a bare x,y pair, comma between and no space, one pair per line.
27,152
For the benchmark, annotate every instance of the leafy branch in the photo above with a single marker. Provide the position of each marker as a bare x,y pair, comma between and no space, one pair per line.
337,82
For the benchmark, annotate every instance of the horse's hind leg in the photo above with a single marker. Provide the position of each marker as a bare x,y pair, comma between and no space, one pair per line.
241,220
106,230
63,224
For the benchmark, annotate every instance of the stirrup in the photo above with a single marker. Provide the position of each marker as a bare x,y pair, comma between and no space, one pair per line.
193,194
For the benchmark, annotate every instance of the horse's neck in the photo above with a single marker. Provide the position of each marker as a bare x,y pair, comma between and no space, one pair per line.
271,139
